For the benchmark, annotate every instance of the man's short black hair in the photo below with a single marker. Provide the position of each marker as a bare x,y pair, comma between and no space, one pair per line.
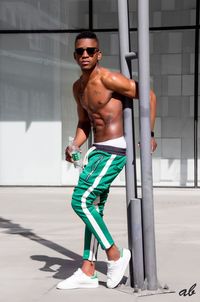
86,35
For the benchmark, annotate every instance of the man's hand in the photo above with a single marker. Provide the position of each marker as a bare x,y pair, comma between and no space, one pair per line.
153,144
68,154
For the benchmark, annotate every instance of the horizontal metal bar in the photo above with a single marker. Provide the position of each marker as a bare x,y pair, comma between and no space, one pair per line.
131,55
39,31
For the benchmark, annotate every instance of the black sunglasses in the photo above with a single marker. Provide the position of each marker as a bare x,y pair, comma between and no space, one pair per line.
90,50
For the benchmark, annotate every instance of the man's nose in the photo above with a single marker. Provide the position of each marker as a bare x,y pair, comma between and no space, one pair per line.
85,54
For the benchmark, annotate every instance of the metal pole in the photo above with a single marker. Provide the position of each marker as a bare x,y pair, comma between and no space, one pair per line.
196,93
133,204
146,160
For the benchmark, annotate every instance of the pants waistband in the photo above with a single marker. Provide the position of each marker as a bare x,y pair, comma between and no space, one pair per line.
111,149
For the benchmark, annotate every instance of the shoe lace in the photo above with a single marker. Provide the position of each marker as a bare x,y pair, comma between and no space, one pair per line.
78,272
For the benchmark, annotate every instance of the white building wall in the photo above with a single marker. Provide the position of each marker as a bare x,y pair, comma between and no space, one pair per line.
37,109
27,156
30,111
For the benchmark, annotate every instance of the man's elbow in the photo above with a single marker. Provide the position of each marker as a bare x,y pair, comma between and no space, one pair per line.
85,126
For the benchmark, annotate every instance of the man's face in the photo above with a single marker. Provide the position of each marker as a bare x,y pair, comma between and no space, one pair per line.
87,53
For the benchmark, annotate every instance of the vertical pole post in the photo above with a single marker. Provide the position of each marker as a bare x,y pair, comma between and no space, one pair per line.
133,204
145,138
196,94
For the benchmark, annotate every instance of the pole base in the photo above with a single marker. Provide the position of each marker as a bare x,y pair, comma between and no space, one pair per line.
144,292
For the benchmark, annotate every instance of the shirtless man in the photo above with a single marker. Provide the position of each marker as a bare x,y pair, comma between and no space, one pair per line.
99,97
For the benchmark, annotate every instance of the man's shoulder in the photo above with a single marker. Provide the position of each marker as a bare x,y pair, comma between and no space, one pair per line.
76,86
105,71
109,76
76,89
76,83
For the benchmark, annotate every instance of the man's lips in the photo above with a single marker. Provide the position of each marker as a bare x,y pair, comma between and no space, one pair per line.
85,62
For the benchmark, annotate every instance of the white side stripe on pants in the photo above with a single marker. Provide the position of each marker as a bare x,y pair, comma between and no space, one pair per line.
93,240
84,202
93,249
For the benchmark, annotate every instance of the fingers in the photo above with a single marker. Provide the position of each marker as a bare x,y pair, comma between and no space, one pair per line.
67,155
153,144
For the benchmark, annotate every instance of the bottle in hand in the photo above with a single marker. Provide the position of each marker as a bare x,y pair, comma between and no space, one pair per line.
75,153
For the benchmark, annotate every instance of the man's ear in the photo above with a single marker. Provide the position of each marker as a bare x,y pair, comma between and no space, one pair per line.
74,55
99,57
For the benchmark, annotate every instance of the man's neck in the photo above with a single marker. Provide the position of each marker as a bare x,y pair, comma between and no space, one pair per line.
90,74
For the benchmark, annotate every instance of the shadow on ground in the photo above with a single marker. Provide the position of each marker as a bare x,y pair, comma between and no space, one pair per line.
62,268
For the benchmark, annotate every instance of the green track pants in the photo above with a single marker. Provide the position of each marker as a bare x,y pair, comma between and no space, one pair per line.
90,195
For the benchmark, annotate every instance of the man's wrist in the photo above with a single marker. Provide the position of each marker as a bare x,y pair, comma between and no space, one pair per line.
152,133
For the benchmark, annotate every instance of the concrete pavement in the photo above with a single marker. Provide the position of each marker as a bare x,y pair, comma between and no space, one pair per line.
41,242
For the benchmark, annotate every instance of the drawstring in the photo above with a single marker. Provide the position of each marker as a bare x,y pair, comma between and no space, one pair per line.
85,160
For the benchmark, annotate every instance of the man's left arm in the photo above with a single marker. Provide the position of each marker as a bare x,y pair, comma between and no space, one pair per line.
152,119
127,87
152,111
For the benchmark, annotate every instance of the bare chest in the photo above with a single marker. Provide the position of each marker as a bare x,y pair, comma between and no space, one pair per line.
94,97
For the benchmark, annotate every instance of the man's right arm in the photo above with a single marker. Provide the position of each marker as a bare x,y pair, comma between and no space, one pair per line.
83,127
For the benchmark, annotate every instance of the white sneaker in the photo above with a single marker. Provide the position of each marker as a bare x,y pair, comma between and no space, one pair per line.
116,269
79,280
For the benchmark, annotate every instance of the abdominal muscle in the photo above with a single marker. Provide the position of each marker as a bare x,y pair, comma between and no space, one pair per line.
104,108
106,124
